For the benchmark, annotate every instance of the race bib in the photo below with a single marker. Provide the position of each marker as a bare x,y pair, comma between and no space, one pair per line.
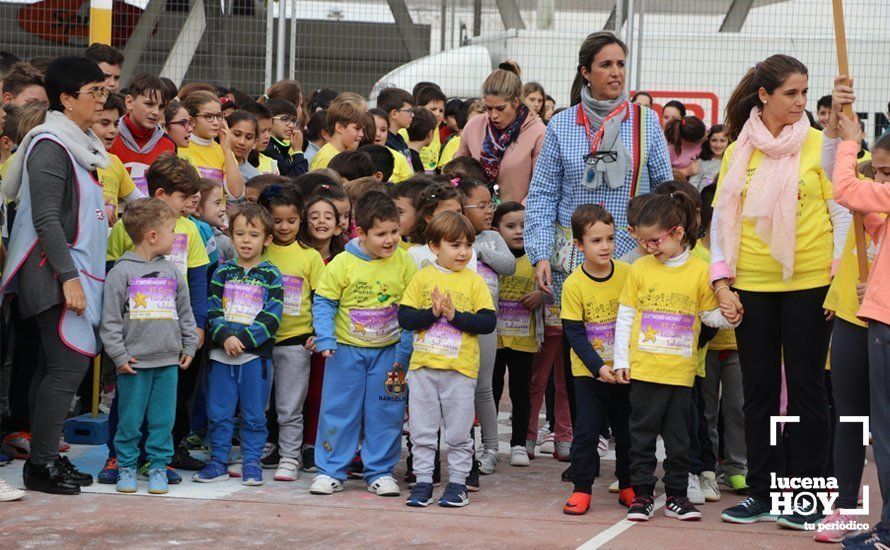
667,333
211,173
141,184
375,326
152,298
242,302
551,316
489,276
602,339
513,319
440,339
293,294
179,255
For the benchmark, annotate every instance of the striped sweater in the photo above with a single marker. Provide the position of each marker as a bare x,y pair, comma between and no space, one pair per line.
258,337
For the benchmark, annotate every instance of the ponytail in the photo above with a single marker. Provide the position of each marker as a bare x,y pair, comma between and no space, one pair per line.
769,74
690,129
676,209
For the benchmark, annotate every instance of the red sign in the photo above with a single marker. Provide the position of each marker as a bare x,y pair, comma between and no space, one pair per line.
704,105
68,21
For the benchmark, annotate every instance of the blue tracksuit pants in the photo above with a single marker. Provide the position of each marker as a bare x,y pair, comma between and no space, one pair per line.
227,385
361,387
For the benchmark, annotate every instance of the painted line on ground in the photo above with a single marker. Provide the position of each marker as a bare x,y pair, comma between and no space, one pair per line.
615,530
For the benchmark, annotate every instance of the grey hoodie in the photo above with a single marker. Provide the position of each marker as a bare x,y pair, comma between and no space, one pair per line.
146,313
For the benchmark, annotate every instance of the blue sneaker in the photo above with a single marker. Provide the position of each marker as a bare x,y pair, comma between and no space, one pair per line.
421,495
126,480
173,477
455,496
108,474
5,459
214,471
157,481
858,539
879,538
251,474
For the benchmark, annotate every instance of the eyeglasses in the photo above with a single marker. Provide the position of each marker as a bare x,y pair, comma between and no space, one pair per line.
185,123
99,94
482,206
652,244
286,119
410,111
210,117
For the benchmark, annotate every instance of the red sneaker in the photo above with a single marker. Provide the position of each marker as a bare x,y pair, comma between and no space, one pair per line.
577,505
626,497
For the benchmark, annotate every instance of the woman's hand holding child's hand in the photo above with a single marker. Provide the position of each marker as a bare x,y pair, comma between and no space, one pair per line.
233,346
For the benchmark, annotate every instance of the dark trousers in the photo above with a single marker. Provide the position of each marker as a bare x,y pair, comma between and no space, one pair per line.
59,372
23,355
879,387
659,409
701,450
520,365
789,326
850,385
597,401
570,379
188,383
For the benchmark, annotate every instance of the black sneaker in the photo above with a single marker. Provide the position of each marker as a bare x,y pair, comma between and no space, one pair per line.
356,469
680,508
182,460
309,460
472,479
800,522
750,510
270,457
641,509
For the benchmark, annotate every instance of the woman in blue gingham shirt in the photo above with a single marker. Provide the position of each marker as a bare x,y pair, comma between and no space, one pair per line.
556,185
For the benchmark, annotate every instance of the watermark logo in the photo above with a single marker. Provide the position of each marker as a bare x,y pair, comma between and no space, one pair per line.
813,495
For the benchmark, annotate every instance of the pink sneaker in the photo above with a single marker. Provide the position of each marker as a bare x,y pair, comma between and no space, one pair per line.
833,528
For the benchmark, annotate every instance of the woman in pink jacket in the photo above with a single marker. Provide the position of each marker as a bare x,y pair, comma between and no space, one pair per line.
507,139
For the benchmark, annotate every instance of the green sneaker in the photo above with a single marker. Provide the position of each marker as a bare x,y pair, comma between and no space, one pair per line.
739,484
142,471
194,442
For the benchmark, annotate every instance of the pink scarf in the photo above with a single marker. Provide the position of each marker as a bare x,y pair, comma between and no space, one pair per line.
771,199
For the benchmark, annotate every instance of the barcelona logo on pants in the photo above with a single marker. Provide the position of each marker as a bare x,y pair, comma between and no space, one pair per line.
395,383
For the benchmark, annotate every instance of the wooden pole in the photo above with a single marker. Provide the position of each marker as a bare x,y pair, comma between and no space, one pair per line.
97,376
840,40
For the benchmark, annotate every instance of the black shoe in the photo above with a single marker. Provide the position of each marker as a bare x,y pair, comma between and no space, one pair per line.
567,474
641,509
48,478
272,459
72,474
472,479
182,460
750,510
356,469
309,460
680,508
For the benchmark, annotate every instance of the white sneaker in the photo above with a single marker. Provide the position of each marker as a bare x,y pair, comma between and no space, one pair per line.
8,493
488,461
614,487
235,468
325,485
547,443
288,470
385,486
693,490
602,447
563,451
518,456
530,449
708,482
543,432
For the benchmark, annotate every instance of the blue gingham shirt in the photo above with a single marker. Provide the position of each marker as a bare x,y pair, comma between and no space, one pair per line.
556,191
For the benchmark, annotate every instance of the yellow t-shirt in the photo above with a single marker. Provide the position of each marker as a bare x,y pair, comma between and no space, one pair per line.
116,181
208,159
757,270
4,167
516,324
188,248
451,147
724,340
443,346
401,167
267,165
841,297
323,157
300,274
596,305
368,293
429,155
664,334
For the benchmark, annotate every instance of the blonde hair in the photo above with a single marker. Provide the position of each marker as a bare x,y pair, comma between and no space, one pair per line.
34,115
503,82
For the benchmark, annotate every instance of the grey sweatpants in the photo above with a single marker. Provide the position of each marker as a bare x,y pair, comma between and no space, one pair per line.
879,421
291,384
485,407
434,396
723,380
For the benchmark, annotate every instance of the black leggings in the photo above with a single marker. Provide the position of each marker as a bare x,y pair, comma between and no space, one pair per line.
789,325
59,372
849,377
520,365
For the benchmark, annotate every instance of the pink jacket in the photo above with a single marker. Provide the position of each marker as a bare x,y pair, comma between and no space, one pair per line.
870,198
519,158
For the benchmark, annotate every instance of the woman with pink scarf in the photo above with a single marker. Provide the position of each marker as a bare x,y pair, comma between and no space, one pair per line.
775,232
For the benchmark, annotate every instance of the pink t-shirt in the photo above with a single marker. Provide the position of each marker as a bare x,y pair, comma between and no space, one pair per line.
688,153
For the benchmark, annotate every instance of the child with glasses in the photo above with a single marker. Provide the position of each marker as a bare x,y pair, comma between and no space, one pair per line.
286,145
213,160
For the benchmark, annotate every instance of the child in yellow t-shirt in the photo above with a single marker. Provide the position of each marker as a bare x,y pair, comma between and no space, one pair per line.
213,160
301,268
447,306
589,312
355,316
117,185
665,299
